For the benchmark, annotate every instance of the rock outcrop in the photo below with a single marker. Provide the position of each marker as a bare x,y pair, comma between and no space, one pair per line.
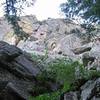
90,54
89,91
28,24
18,74
57,36
54,35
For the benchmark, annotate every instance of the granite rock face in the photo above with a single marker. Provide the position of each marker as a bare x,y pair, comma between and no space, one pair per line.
54,35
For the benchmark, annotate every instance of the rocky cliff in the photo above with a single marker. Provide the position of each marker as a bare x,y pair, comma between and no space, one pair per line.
51,34
20,75
19,79
56,37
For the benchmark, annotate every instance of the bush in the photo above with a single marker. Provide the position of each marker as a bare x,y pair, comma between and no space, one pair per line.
66,72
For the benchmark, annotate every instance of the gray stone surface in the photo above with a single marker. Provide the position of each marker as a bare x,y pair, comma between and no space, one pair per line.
88,91
18,74
71,96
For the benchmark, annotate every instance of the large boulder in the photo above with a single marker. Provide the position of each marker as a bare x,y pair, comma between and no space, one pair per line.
70,96
18,74
91,55
16,69
91,90
95,51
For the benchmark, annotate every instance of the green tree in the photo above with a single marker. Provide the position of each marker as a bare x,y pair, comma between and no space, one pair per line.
87,9
13,9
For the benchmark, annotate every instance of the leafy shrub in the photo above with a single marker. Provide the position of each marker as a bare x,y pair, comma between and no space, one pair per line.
49,96
66,72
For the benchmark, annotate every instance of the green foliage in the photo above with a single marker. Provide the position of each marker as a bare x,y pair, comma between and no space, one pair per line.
37,58
12,10
49,96
66,72
13,20
93,74
63,68
87,9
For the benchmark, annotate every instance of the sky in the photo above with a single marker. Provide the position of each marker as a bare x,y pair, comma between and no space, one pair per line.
43,9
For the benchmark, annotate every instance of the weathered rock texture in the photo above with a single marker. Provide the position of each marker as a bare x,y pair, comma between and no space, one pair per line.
18,74
55,35
89,91
28,23
59,37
